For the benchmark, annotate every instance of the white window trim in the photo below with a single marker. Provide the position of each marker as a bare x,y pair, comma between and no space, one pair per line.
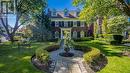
74,23
74,34
65,24
56,24
54,14
82,24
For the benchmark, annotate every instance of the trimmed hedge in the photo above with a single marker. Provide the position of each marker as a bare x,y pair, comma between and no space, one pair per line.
53,40
126,41
90,56
118,38
81,47
90,53
42,55
52,48
83,39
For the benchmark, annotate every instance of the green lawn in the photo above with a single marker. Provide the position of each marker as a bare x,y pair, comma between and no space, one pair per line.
14,60
116,63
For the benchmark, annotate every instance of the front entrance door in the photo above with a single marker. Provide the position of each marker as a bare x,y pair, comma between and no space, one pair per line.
65,32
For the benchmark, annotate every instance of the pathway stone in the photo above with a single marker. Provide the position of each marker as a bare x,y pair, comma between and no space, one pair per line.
68,64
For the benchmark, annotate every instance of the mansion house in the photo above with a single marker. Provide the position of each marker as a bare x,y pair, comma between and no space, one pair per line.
67,20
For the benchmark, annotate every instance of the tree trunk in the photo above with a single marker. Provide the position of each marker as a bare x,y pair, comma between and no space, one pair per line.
11,36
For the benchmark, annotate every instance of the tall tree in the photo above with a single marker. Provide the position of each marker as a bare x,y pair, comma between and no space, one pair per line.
97,8
41,29
124,6
24,11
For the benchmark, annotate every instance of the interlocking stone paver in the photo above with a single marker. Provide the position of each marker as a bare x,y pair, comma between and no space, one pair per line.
68,64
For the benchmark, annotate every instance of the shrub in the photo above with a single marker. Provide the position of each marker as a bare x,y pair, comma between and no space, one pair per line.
81,47
53,40
83,39
90,56
126,41
52,48
42,55
114,42
118,38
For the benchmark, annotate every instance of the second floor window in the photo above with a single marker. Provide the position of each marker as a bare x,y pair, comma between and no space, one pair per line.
82,24
56,24
66,24
75,24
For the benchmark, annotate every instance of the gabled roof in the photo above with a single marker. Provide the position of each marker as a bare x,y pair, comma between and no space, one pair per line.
61,14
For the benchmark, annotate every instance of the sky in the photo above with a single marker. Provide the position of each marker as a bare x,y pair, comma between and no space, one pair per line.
61,4
57,4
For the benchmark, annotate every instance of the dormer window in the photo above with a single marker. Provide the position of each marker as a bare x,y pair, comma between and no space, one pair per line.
54,13
66,12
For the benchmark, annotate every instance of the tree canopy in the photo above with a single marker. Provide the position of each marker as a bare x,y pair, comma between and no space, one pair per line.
95,8
118,24
25,10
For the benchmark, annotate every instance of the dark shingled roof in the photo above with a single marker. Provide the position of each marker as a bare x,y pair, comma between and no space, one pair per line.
60,14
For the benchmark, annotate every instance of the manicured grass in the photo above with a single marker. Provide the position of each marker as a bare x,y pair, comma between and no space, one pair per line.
116,63
14,60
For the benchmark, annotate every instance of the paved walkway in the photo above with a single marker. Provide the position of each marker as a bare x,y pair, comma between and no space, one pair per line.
68,64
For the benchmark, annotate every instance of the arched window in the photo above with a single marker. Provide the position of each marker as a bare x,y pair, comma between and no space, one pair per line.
56,34
82,34
74,34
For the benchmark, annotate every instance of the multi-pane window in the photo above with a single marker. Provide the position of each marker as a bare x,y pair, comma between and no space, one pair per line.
56,24
82,24
75,24
74,34
66,24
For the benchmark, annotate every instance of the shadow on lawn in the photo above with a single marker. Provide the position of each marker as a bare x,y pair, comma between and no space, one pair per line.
104,49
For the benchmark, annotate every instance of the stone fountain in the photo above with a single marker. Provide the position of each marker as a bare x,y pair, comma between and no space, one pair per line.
66,45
